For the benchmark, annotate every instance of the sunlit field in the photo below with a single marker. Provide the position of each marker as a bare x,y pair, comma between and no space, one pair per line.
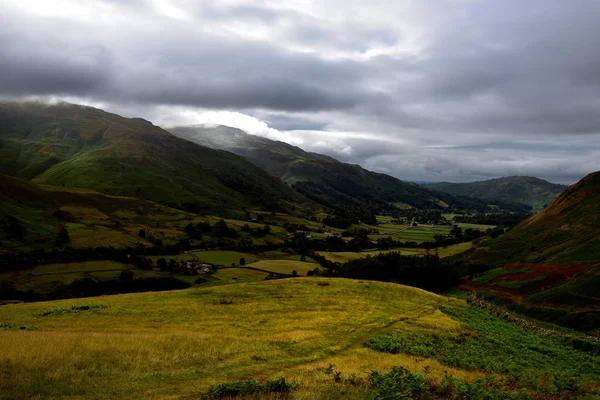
176,344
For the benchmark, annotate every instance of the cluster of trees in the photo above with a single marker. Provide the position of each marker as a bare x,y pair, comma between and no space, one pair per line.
256,232
421,216
500,219
428,272
345,218
88,287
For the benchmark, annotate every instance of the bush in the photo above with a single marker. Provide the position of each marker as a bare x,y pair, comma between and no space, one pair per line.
249,387
126,275
399,383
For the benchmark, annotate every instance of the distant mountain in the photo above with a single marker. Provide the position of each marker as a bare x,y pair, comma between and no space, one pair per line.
322,178
534,192
551,259
85,147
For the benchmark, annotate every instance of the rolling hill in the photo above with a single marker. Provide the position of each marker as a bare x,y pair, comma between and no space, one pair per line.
533,192
322,178
553,258
325,336
84,147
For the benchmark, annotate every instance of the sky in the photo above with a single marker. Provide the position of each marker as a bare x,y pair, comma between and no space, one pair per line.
424,90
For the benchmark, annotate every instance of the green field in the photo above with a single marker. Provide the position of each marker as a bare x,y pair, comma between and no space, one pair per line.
285,266
345,256
418,234
45,278
235,275
175,344
226,258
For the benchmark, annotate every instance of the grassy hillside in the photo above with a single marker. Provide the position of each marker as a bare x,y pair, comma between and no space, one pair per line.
31,216
323,178
534,192
567,231
559,249
84,147
324,334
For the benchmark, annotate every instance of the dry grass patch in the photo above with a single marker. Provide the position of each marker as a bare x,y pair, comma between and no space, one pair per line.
176,344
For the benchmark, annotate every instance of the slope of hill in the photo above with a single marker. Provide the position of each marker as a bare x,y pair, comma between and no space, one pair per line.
32,216
551,258
84,147
322,178
326,335
534,192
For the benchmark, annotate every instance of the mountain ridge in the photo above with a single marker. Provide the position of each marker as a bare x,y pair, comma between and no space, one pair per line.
528,190
80,146
323,178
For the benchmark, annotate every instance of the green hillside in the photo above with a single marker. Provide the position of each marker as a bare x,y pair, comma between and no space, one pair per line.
534,192
324,336
322,178
31,217
84,147
553,258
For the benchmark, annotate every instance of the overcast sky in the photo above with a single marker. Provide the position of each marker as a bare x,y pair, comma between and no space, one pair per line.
427,90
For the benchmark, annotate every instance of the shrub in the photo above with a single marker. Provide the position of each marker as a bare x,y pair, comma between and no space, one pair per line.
399,383
249,387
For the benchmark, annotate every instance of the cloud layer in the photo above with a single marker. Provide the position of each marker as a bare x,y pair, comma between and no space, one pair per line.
430,90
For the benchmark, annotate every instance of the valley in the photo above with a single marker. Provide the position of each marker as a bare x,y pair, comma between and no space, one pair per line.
138,264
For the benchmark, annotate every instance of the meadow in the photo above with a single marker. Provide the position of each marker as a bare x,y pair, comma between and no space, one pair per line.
178,343
442,252
222,257
325,336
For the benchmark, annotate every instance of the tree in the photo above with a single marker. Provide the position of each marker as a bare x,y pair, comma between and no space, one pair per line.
142,233
242,261
456,231
246,228
294,273
126,275
63,237
302,258
267,229
162,264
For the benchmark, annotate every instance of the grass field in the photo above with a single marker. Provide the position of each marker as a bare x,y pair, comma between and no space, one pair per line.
285,266
345,256
419,234
225,258
175,344
45,278
233,275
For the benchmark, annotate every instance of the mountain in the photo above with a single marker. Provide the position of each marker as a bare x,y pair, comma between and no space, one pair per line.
531,191
322,178
84,147
551,260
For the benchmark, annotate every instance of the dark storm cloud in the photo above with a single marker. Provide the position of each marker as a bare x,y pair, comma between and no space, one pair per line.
448,90
183,67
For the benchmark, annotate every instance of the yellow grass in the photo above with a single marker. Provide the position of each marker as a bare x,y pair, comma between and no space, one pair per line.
175,344
233,275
